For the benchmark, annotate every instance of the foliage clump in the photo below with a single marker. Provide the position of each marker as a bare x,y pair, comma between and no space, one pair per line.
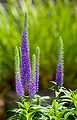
63,105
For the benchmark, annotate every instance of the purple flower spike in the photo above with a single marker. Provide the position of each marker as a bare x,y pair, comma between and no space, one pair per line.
25,60
19,87
59,74
32,90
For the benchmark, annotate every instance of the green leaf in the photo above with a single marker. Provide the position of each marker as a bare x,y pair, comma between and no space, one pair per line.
45,97
75,112
16,110
60,105
14,117
31,114
67,100
54,117
53,82
67,115
20,104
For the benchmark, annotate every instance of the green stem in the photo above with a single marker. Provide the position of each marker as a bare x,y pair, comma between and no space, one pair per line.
38,101
27,117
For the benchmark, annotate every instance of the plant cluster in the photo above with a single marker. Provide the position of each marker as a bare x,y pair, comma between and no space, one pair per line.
30,105
48,20
26,79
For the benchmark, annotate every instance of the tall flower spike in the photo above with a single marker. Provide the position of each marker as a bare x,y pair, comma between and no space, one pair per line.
37,67
59,74
25,60
32,90
19,87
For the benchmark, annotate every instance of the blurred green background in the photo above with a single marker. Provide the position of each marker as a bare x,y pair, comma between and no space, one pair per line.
48,19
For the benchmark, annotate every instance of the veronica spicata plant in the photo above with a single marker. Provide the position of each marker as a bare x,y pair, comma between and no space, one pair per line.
30,107
26,79
62,107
